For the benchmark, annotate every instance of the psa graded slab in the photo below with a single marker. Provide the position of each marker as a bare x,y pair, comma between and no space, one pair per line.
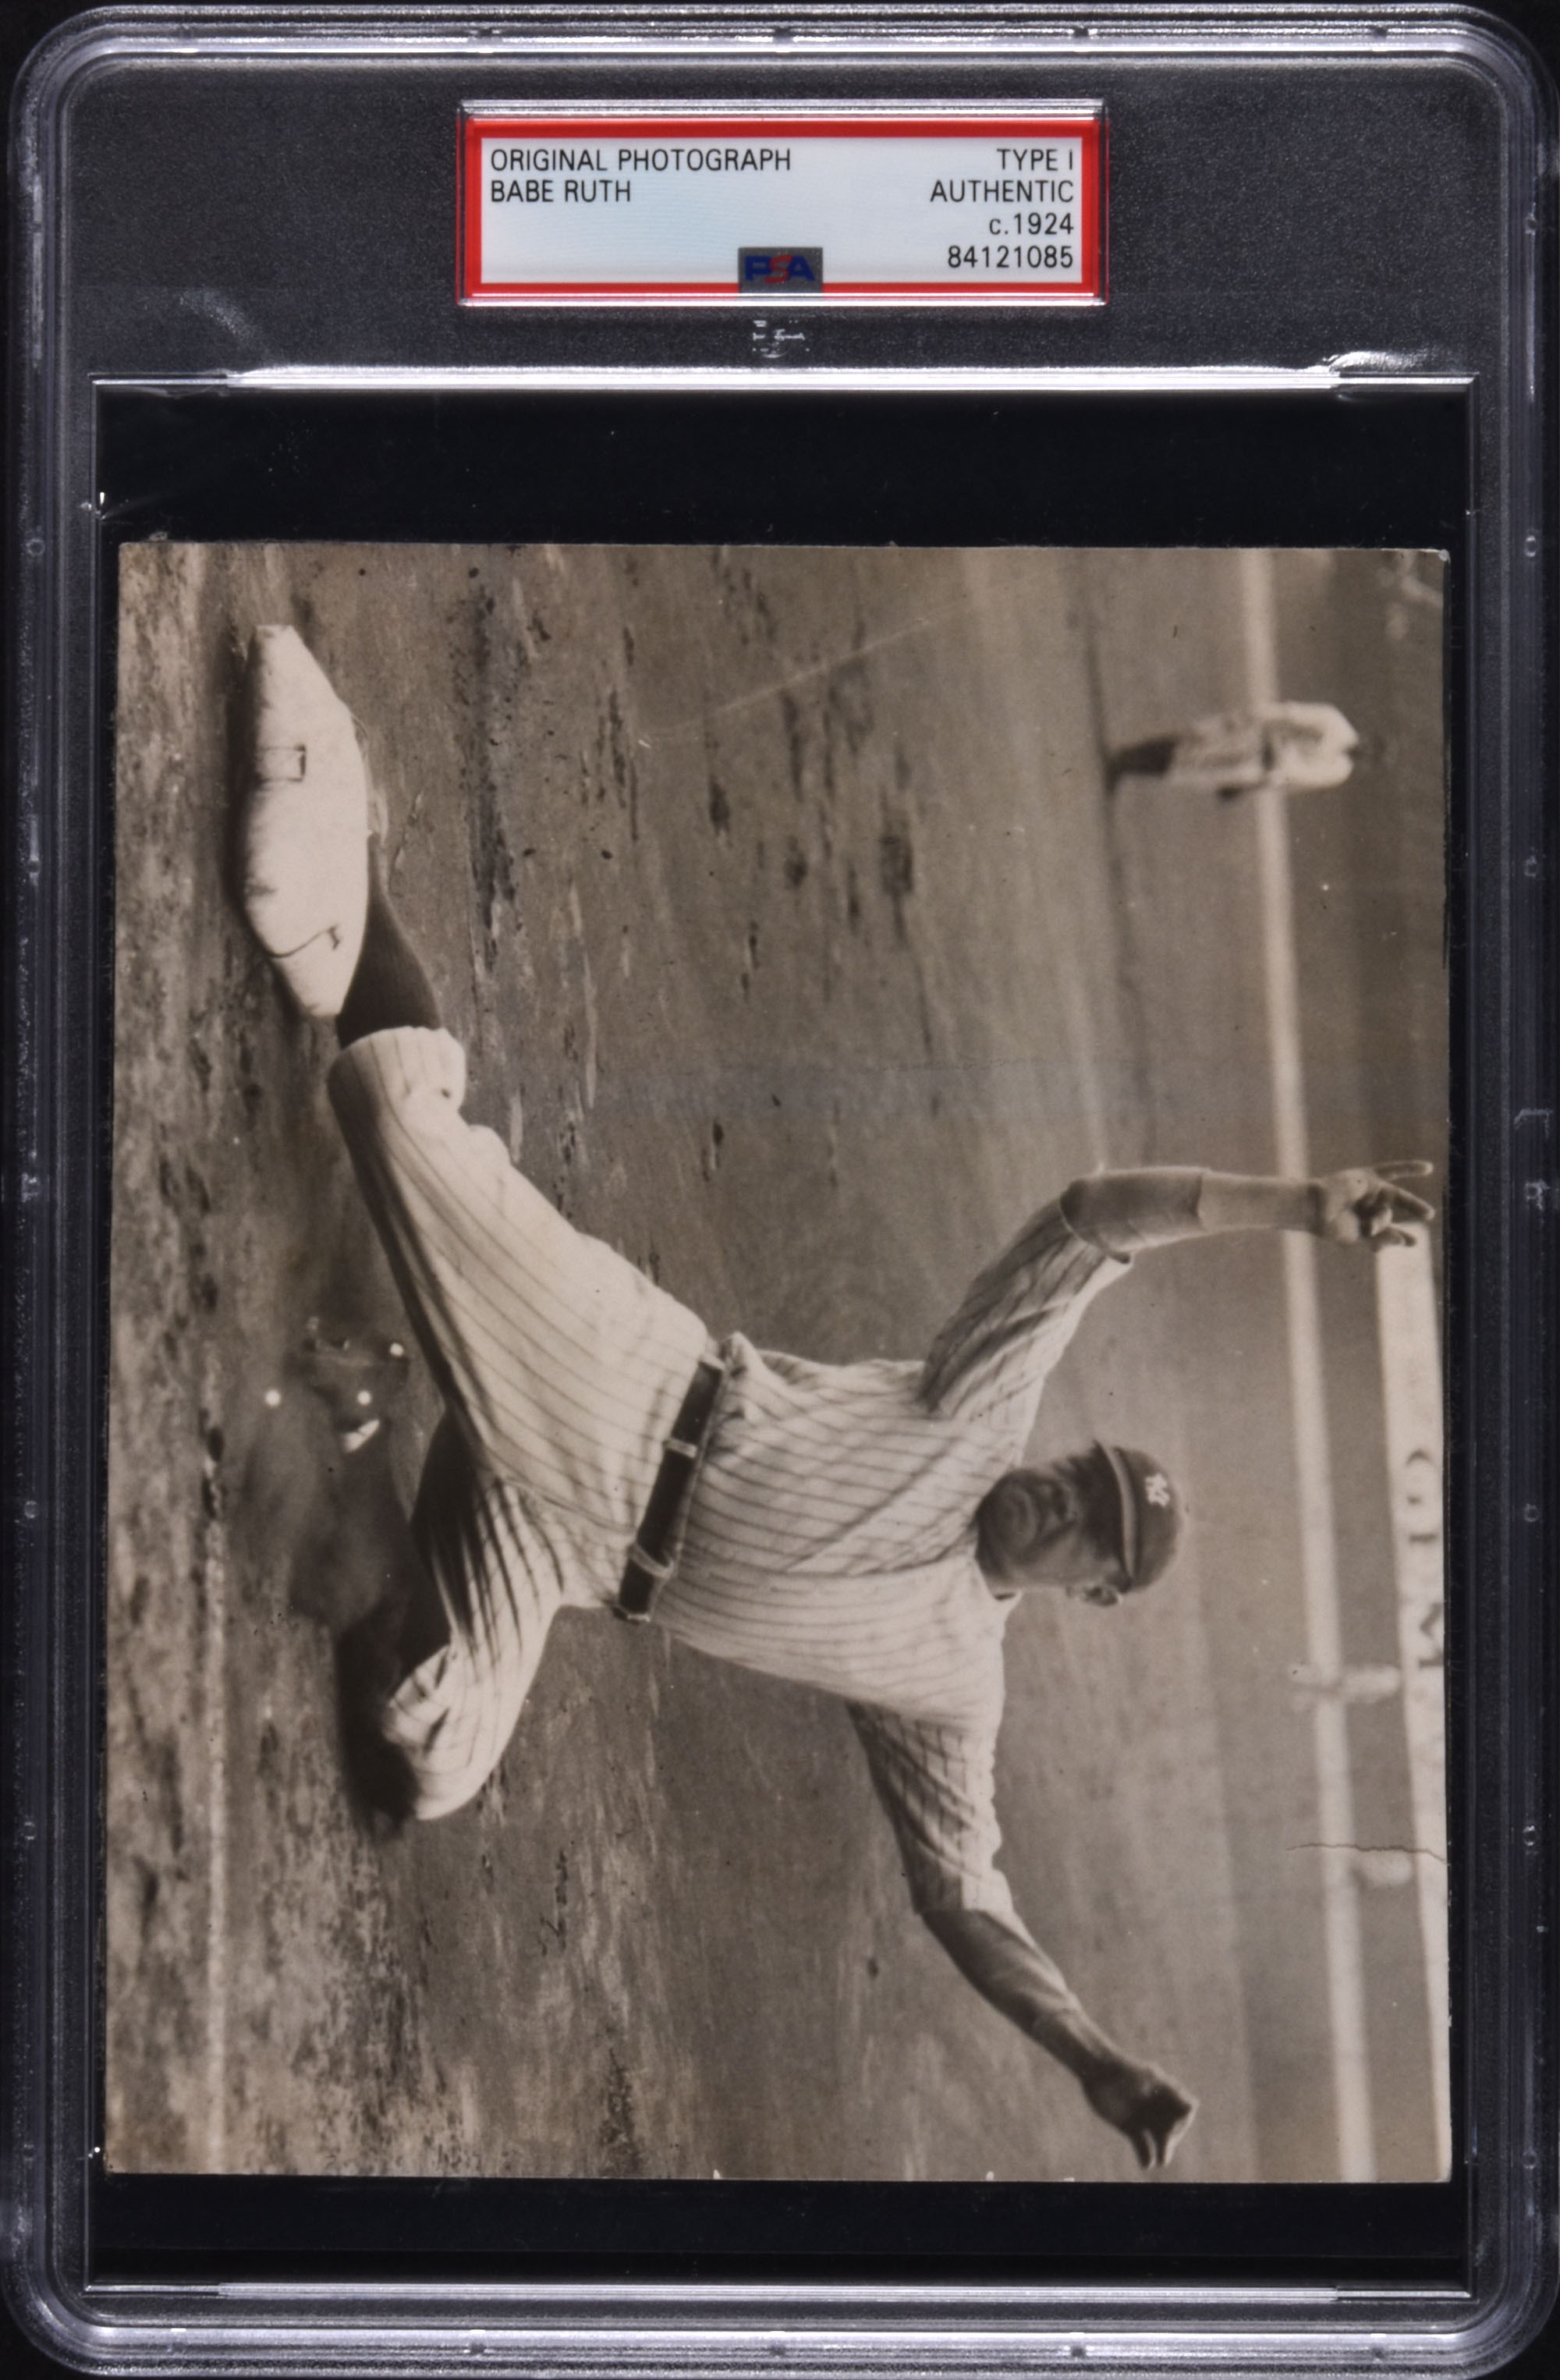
781,963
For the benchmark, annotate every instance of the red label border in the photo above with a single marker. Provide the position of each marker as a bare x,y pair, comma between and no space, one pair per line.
476,125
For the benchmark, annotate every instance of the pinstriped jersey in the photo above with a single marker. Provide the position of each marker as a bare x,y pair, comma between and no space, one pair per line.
832,1541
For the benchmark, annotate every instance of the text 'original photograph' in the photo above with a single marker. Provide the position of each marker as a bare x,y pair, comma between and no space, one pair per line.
775,1419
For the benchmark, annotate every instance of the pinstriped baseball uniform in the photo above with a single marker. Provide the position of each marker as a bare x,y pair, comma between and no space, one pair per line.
831,1533
562,1369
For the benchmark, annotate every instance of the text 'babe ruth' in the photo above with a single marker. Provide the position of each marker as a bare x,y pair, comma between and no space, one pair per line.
861,1528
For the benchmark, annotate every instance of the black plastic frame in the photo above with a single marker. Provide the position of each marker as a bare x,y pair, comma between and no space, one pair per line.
125,2273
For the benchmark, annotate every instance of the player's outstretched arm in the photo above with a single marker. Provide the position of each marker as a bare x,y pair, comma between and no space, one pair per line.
1365,1206
1027,1987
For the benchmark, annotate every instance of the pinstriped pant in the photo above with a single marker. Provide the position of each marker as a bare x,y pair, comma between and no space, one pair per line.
562,1369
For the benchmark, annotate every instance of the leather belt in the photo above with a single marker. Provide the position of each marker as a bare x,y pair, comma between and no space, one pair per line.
652,1558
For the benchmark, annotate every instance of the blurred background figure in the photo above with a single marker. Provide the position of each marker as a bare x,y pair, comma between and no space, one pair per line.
1296,748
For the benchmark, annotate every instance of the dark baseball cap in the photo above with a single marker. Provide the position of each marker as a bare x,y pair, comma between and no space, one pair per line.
1149,1515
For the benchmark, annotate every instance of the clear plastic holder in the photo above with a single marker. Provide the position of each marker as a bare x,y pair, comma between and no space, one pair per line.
278,290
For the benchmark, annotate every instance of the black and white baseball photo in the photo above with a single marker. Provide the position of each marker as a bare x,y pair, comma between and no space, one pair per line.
775,1407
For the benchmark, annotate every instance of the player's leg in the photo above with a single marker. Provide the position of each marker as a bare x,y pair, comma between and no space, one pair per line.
504,1566
568,1366
373,1657
389,986
1151,757
563,1366
1222,755
430,1689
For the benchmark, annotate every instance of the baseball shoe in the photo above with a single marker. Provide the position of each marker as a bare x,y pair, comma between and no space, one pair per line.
370,1665
306,820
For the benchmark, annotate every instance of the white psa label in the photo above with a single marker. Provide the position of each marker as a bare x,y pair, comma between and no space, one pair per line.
715,209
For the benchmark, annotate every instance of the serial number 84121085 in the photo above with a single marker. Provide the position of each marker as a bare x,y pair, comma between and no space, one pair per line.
1012,257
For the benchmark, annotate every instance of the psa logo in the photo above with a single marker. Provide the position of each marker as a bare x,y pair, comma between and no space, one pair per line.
797,271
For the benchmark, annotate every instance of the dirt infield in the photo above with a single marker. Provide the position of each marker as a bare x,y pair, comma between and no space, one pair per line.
799,953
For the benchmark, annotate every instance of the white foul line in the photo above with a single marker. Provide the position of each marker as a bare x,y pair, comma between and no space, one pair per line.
1313,1477
1410,1353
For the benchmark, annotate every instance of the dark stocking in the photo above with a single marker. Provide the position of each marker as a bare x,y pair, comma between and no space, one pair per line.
1150,758
389,987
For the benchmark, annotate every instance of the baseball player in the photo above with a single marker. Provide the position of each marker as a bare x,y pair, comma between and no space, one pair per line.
867,1529
1294,747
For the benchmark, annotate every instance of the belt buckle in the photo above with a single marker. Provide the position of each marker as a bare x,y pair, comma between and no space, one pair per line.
641,1581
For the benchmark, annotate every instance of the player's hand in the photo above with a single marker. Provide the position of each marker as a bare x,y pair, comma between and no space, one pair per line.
1367,1207
1143,2103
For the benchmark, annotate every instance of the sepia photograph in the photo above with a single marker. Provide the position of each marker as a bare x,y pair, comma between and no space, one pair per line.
775,1419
